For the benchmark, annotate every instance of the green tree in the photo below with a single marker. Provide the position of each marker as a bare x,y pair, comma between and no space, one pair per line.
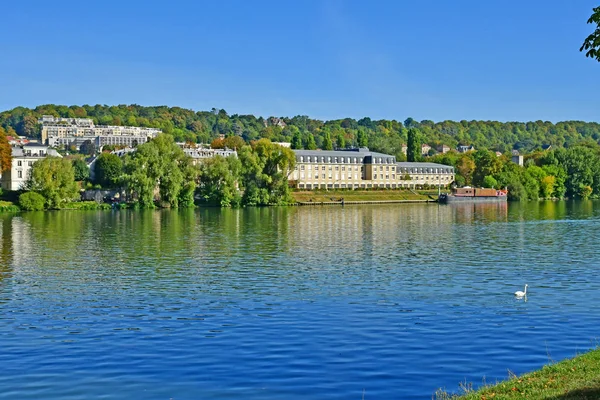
80,169
160,164
219,179
490,182
591,44
340,141
297,141
362,139
413,151
310,142
108,169
487,163
265,170
31,201
54,179
327,143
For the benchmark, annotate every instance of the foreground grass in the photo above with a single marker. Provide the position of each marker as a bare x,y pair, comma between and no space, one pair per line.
319,196
573,379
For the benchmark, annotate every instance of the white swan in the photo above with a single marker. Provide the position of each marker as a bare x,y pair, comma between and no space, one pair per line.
521,294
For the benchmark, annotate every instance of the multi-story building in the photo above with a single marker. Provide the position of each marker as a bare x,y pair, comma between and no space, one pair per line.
23,158
60,131
363,169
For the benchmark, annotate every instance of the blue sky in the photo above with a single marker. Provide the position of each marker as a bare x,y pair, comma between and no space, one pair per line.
509,60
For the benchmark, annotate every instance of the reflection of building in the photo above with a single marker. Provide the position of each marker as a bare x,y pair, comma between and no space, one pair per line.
364,169
23,158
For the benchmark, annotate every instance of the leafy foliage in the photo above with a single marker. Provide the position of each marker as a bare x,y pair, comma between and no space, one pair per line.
54,179
385,136
219,178
108,169
32,201
80,169
161,164
592,43
5,152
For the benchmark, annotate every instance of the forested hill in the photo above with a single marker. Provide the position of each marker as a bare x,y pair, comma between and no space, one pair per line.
382,135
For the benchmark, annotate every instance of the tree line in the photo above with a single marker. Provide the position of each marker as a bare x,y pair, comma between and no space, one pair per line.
564,172
386,136
159,173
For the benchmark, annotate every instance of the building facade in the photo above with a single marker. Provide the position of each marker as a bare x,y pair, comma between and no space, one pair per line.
56,131
363,169
23,158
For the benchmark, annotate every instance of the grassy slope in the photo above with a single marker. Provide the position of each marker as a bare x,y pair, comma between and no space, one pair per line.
576,378
358,195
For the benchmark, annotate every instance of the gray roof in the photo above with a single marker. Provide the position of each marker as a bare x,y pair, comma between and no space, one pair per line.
362,152
423,165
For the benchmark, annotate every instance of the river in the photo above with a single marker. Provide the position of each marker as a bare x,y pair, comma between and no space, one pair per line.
354,302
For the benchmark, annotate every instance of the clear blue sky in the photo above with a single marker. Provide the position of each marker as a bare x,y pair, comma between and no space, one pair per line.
507,60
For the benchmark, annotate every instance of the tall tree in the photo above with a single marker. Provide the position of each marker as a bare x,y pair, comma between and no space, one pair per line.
591,44
108,169
310,142
296,141
340,141
53,178
413,151
80,169
5,152
327,143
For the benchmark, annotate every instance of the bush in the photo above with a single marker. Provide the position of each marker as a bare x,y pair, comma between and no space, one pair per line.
32,201
7,206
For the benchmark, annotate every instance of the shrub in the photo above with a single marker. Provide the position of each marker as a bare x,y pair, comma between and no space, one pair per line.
32,201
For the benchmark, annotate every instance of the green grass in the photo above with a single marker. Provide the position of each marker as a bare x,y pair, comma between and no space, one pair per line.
573,379
319,196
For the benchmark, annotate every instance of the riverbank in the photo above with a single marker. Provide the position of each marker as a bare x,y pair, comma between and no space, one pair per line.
575,378
332,197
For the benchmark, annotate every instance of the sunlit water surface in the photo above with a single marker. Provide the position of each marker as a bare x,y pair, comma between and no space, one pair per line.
373,302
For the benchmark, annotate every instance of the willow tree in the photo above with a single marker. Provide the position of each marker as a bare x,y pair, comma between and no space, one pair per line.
265,170
159,169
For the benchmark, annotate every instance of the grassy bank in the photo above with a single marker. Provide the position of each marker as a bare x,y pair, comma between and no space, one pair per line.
575,378
319,196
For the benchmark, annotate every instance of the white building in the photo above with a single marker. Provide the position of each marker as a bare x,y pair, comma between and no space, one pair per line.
60,131
23,158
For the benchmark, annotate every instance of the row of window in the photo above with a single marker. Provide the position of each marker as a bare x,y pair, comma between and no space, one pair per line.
345,160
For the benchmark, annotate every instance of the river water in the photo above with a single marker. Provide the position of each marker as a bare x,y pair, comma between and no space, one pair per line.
373,302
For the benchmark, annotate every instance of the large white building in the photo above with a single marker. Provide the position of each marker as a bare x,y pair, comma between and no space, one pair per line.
61,131
364,169
23,158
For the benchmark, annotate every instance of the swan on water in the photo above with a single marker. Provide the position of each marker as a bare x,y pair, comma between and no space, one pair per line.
521,294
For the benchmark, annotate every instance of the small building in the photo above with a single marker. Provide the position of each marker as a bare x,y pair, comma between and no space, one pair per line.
465,149
517,159
443,149
498,154
546,147
425,149
23,158
404,149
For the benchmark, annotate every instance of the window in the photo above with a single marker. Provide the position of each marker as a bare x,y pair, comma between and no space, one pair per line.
343,168
323,168
302,167
20,173
30,163
19,163
337,167
374,176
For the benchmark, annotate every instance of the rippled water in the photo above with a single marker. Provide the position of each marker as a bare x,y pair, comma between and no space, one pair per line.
372,302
